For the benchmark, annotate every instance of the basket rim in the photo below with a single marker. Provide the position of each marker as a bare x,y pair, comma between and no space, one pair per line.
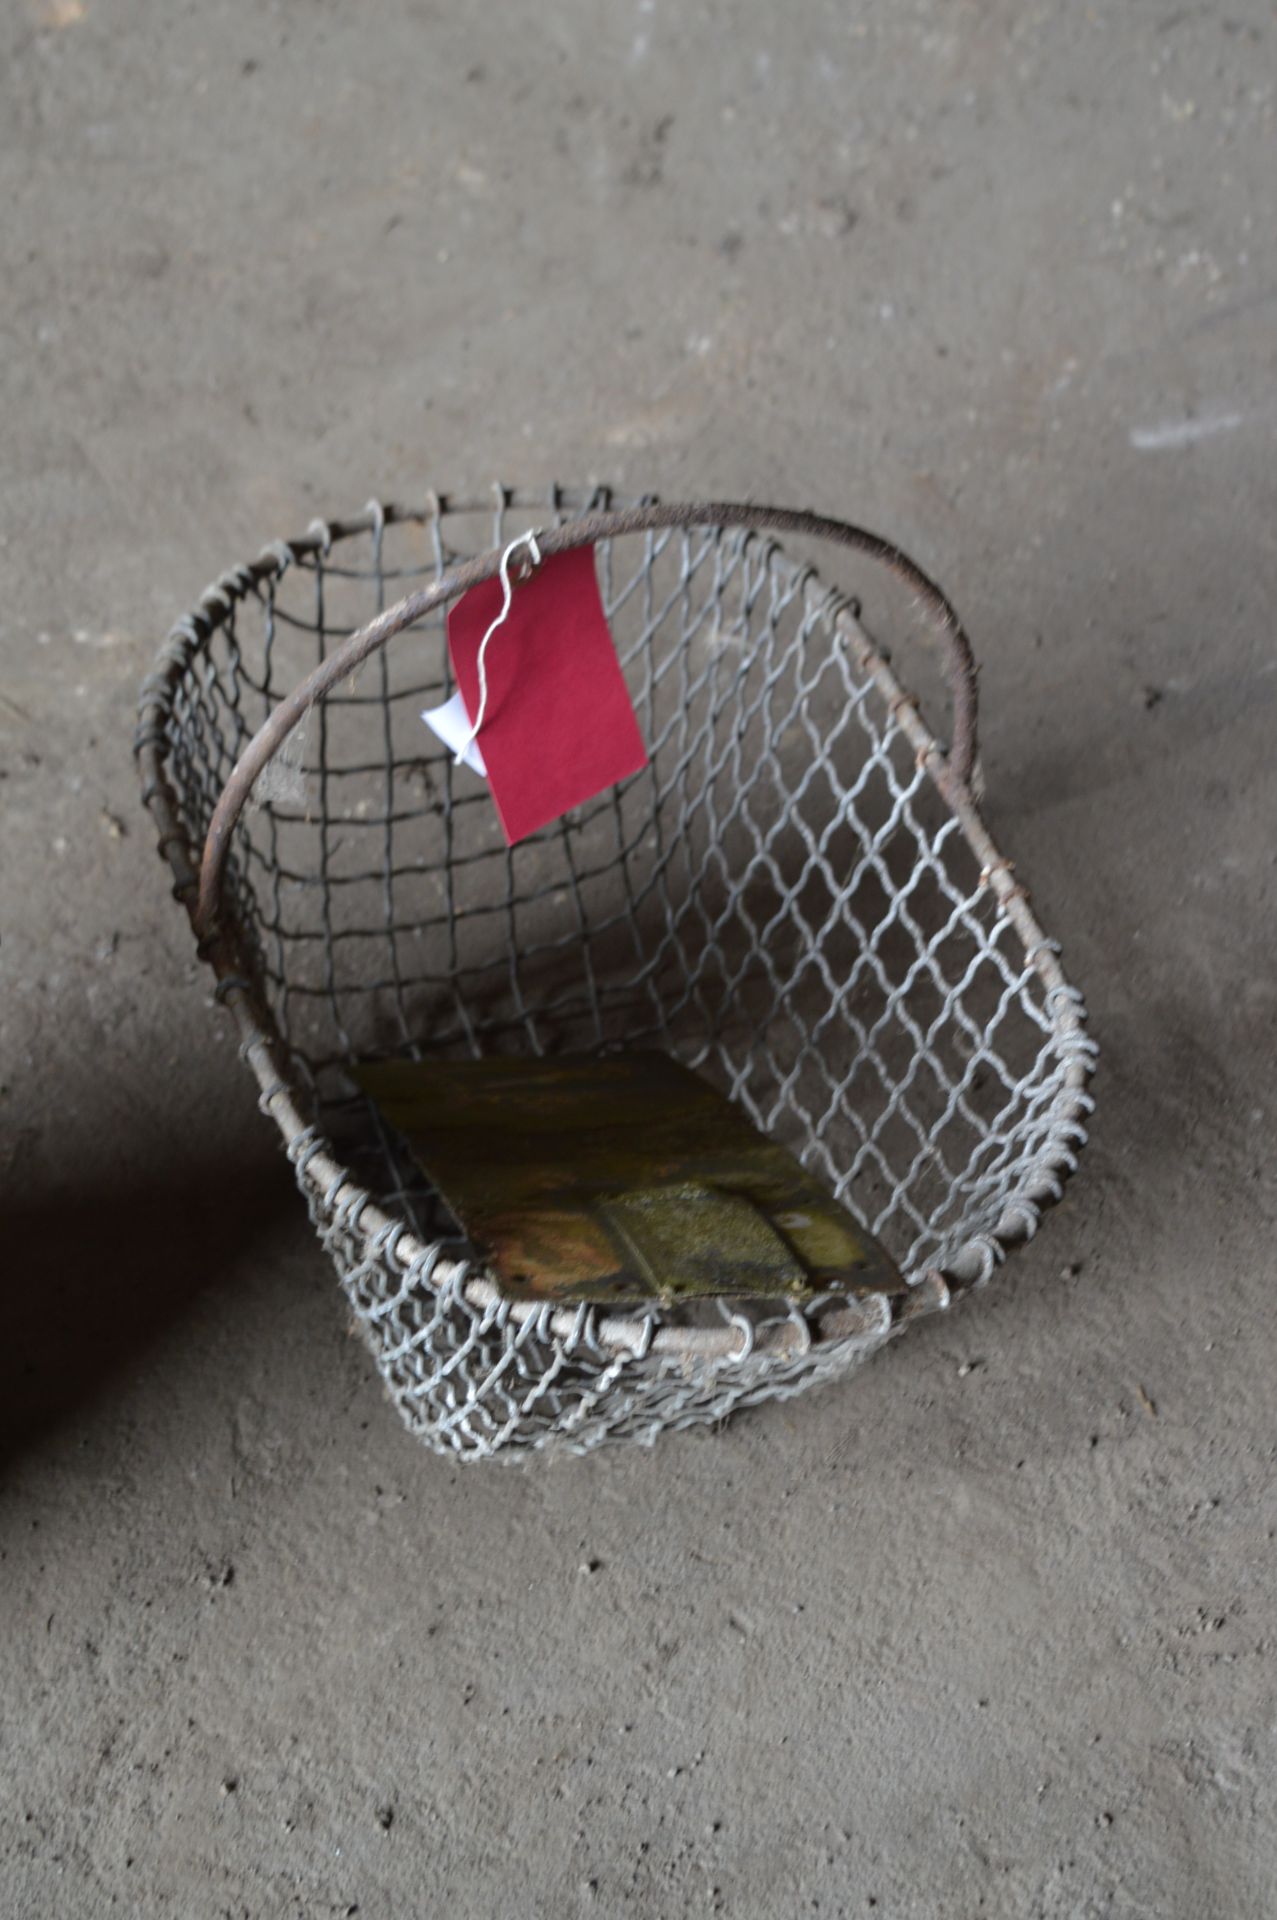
333,1194
577,529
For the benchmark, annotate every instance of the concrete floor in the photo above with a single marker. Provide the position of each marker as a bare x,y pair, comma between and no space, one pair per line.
999,279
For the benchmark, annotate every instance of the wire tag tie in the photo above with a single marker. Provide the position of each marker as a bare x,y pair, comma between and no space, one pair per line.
528,540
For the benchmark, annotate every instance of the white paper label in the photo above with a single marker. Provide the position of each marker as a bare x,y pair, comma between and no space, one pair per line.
452,724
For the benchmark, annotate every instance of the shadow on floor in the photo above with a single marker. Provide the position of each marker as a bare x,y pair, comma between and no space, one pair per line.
94,1277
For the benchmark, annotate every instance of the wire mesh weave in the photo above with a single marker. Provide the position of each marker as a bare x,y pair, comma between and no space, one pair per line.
783,899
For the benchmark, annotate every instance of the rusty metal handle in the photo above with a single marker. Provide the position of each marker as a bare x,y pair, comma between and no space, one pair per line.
583,531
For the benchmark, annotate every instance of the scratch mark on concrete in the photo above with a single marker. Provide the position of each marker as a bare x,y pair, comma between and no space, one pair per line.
1183,433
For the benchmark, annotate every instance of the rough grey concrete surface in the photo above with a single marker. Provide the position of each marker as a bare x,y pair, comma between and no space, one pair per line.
949,1639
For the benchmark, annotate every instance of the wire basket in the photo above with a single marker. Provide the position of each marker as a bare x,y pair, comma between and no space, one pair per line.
797,897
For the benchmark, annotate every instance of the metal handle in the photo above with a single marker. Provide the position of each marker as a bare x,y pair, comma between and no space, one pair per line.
583,531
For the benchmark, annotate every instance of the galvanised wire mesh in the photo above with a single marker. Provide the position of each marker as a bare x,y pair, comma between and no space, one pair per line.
796,897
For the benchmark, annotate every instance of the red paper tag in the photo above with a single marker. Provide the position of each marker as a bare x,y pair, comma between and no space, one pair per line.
559,726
